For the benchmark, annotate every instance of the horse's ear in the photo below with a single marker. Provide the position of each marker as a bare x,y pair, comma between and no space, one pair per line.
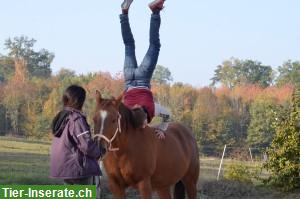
98,96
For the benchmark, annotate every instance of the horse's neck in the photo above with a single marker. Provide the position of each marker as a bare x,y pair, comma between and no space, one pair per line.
132,141
132,136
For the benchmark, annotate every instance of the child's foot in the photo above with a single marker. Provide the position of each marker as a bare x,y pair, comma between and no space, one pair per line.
156,5
125,6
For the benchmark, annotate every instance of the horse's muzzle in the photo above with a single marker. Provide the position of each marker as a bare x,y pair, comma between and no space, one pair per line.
102,147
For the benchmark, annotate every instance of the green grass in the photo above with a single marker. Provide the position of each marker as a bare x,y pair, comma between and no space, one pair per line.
24,162
27,162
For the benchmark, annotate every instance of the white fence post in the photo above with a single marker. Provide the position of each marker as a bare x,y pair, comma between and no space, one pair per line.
221,163
251,154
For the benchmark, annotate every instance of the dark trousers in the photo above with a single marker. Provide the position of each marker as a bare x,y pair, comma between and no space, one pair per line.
79,181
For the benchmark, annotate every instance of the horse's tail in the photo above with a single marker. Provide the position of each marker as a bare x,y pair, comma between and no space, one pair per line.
179,191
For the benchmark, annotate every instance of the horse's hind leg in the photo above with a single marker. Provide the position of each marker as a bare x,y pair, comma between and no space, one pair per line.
190,180
191,190
190,184
164,193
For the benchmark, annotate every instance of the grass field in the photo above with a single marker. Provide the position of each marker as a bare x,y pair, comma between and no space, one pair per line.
27,162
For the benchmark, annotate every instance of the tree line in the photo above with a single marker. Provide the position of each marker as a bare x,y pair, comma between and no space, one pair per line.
237,109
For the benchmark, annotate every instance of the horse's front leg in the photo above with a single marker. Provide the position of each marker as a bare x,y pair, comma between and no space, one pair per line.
145,189
117,190
120,195
164,193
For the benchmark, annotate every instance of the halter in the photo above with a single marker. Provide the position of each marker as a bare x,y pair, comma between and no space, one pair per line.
109,141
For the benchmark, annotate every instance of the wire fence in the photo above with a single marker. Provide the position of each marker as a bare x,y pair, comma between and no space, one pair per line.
33,164
215,162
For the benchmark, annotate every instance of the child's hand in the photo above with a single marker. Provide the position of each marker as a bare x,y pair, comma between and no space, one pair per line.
160,134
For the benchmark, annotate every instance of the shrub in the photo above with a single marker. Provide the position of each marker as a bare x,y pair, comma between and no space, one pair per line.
284,152
241,172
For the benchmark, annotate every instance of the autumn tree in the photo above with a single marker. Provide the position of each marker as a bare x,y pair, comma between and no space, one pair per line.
36,63
289,73
65,73
6,68
235,72
204,115
36,124
3,121
231,123
181,102
261,131
16,95
162,75
20,102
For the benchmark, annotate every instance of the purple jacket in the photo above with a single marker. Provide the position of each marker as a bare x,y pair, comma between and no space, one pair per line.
74,154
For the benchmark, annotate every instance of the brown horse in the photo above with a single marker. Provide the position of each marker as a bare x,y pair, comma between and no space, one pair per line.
136,157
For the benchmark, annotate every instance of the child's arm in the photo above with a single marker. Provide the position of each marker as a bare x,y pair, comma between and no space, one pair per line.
83,139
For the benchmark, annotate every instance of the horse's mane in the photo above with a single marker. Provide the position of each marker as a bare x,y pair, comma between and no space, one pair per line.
132,117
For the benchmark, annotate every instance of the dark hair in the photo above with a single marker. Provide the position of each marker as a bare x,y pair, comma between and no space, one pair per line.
74,97
147,113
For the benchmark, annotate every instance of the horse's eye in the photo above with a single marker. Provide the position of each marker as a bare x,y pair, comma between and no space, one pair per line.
114,121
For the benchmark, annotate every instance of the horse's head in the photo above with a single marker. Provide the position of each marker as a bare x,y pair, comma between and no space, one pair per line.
107,121
112,117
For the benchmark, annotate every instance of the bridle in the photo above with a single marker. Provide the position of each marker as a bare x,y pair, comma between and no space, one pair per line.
109,141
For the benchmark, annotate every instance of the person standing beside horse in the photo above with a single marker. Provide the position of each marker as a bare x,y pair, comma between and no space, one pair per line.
74,154
137,78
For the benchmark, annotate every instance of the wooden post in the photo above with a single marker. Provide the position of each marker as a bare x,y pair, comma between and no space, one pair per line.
221,162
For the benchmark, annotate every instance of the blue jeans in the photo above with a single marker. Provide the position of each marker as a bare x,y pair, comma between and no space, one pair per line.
140,76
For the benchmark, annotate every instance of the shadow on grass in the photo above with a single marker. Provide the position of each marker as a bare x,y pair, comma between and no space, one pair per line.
226,189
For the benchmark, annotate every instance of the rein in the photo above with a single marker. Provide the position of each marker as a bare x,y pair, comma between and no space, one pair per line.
109,141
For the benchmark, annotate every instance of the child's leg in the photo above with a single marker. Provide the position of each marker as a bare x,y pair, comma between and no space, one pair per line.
165,114
145,70
130,63
162,112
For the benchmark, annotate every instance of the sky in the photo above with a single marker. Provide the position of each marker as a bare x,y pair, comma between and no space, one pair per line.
196,35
